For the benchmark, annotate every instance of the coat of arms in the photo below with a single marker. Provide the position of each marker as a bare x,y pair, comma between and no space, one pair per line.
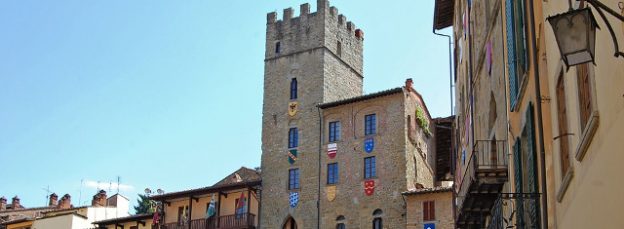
331,150
331,192
369,145
369,187
292,156
293,199
292,108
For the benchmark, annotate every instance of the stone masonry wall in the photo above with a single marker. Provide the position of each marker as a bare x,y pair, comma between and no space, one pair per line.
322,75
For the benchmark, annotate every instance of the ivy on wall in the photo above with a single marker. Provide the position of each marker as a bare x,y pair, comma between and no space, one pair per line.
422,120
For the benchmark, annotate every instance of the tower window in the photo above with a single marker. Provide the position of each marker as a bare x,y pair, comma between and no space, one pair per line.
377,221
332,173
293,179
369,168
277,47
370,124
293,88
293,137
334,131
339,49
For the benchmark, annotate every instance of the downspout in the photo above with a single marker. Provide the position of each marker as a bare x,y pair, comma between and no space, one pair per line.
450,63
318,194
538,95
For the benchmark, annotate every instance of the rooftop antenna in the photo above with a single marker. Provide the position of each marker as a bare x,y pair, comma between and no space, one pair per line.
47,189
118,183
80,195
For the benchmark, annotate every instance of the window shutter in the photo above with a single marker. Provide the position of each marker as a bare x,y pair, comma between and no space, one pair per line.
425,211
584,94
563,126
511,52
518,180
533,204
431,210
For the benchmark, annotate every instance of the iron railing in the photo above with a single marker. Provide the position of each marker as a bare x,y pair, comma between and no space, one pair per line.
516,210
236,221
487,156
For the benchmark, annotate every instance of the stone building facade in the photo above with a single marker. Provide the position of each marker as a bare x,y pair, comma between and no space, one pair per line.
320,133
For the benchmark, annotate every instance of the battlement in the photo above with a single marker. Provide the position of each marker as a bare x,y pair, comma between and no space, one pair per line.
323,12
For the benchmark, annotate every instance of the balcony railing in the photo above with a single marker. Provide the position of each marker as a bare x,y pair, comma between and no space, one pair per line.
484,175
516,210
237,221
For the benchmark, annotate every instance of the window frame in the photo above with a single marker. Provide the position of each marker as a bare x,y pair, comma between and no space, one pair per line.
333,173
370,167
293,179
293,137
589,130
370,124
293,88
428,210
334,131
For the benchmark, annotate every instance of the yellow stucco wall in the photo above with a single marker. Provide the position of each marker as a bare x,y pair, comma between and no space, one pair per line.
198,211
443,210
593,197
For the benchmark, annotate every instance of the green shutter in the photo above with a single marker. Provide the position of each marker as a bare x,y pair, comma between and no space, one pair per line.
533,203
511,53
518,180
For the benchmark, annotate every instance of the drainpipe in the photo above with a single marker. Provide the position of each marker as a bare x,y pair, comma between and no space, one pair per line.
538,95
318,194
450,63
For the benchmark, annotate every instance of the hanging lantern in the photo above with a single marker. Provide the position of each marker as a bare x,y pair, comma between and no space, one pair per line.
575,32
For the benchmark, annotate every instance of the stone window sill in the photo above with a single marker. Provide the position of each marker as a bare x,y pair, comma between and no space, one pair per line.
564,184
587,136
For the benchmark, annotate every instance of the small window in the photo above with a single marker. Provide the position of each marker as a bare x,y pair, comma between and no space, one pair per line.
370,124
340,222
369,168
293,179
332,173
334,131
277,47
293,138
339,49
377,221
293,88
428,211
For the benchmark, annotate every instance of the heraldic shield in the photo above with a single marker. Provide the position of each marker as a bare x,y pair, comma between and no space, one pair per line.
292,108
331,150
331,192
292,156
293,199
369,187
369,145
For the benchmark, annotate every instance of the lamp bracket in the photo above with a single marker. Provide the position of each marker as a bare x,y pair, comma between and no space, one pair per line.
599,6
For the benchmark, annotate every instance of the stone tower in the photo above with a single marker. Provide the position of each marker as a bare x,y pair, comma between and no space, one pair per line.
311,59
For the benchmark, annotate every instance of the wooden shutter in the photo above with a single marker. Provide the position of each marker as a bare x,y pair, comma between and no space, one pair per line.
585,105
563,127
511,52
431,210
425,211
533,203
518,180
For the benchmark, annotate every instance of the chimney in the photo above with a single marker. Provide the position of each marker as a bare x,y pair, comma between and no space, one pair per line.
3,203
53,200
408,84
65,202
15,203
99,199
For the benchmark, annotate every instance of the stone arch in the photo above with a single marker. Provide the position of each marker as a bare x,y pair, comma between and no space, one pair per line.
289,223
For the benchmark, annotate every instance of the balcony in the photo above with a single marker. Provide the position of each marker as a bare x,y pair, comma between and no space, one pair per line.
238,221
516,210
484,176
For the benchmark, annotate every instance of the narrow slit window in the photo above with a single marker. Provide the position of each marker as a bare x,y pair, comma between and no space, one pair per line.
277,47
293,88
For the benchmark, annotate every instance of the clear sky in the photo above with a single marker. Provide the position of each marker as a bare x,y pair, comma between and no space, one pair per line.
166,94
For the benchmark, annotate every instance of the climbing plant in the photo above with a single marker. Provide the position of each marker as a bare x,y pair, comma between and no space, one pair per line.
422,120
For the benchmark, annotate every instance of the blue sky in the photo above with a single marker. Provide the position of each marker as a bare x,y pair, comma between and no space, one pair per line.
166,94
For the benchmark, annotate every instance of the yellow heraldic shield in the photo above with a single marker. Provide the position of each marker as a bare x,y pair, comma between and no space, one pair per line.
331,192
292,108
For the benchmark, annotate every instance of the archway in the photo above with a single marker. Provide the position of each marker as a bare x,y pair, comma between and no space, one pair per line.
290,223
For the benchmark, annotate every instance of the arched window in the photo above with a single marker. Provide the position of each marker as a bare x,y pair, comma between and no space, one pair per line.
277,47
377,221
340,222
293,88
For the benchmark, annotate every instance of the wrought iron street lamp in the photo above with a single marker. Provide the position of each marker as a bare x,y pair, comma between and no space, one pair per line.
575,33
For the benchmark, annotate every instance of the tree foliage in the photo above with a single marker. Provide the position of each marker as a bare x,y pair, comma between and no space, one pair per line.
144,205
